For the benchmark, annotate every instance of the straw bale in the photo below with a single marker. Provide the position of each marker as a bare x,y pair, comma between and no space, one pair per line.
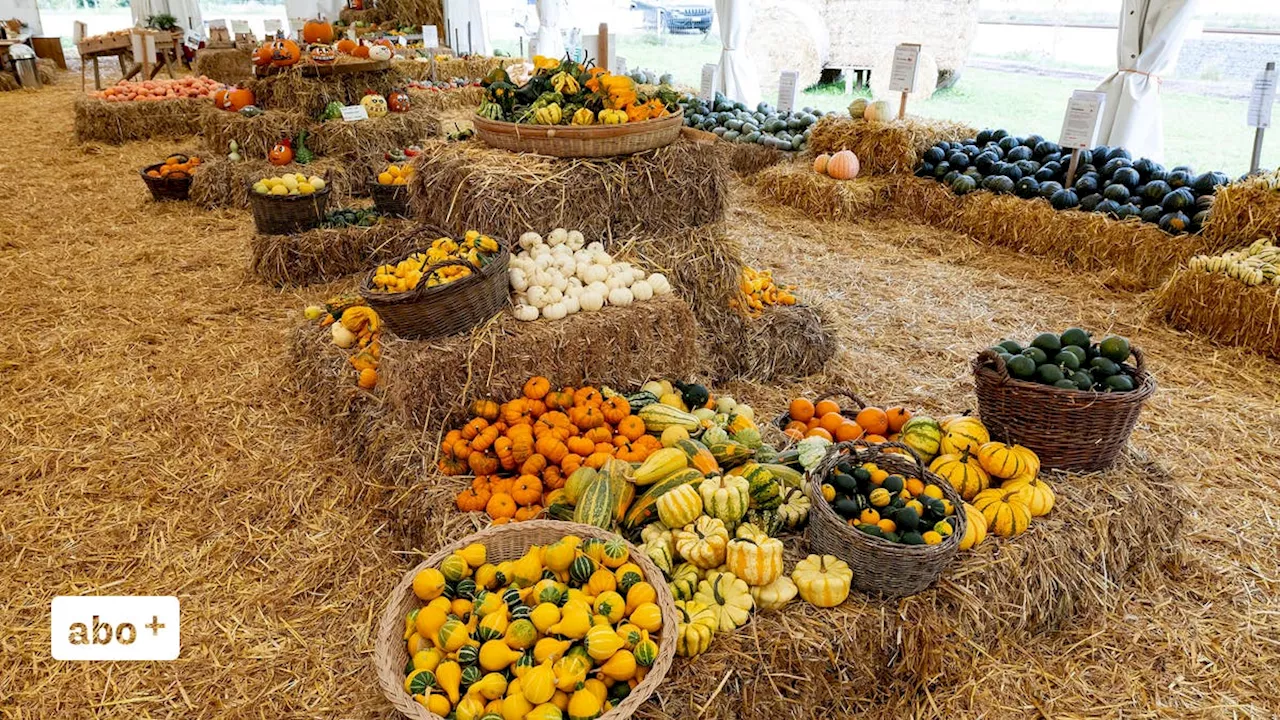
323,380
325,254
1223,309
468,185
785,342
9,82
116,123
291,90
413,12
865,30
413,69
232,66
894,146
469,68
47,70
256,136
374,15
430,381
464,98
751,158
222,183
1243,212
797,185
788,35
374,136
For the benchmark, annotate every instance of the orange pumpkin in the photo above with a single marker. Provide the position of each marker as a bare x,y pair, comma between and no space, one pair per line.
347,46
843,165
631,427
501,505
317,31
537,387
282,153
527,490
560,400
238,98
361,51
615,409
527,513
473,500
487,409
285,52
534,465
587,396
262,56
820,167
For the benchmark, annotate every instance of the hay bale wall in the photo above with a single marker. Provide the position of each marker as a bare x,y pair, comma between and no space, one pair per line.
1243,212
116,123
293,91
325,254
255,135
232,66
375,135
1223,309
895,146
431,381
221,183
461,186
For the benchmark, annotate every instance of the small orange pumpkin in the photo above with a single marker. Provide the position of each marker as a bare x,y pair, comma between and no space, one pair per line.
501,505
285,52
843,165
347,46
282,153
537,387
820,163
527,490
317,31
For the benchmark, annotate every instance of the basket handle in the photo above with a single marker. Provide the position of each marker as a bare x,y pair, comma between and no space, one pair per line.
831,392
1139,361
989,358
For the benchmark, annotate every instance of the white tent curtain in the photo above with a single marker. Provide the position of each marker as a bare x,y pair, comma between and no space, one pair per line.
737,76
327,9
548,41
458,13
1151,35
186,11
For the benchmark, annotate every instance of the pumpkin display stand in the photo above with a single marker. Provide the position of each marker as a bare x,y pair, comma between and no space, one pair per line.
580,141
326,254
116,123
1223,309
895,146
222,183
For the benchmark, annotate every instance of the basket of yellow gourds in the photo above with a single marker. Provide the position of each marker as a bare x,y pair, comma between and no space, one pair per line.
539,619
447,288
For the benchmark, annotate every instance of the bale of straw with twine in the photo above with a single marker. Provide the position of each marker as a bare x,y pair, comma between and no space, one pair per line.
326,254
1223,309
893,146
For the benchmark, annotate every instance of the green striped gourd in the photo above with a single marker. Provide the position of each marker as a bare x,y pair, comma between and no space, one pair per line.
764,490
644,509
595,507
731,453
658,417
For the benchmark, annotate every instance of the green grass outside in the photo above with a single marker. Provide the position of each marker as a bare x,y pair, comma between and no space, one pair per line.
1205,133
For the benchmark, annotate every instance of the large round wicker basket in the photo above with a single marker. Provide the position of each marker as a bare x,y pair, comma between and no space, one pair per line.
286,214
881,567
509,542
580,140
1068,429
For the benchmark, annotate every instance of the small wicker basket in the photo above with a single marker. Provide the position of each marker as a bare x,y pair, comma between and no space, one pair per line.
163,188
427,312
580,140
390,199
286,214
1079,430
880,566
508,542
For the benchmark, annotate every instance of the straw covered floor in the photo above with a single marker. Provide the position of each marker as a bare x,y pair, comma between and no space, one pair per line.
470,185
153,440
1223,309
885,147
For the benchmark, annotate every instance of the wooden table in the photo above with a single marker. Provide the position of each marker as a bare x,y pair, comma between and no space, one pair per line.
168,44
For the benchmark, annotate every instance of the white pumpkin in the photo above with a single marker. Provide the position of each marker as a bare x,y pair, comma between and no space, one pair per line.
342,337
575,240
593,273
554,311
596,246
582,257
618,281
571,304
557,236
529,239
659,283
380,53
554,295
558,281
519,281
598,288
641,290
537,295
526,313
620,297
590,300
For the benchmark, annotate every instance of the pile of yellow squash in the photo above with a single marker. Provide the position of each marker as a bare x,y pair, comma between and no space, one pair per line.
567,630
405,275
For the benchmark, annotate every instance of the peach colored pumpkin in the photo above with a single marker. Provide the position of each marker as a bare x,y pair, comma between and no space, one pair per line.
843,165
820,163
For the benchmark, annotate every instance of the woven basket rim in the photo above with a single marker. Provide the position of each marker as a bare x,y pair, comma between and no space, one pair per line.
983,366
289,198
578,132
874,453
143,172
390,627
421,292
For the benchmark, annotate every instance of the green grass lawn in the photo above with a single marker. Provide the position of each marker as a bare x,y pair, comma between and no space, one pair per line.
1206,133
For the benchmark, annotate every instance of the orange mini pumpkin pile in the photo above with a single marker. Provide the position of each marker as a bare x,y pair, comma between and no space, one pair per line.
540,437
176,167
826,420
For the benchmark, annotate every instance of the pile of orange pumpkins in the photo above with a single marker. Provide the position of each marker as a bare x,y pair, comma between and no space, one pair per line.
842,165
318,35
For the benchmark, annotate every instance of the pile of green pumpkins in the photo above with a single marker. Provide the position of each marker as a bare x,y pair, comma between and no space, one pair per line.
788,131
1070,361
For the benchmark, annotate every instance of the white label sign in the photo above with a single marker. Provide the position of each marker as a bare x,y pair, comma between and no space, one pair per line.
1080,125
619,65
1262,99
906,58
115,627
708,92
240,26
271,27
354,113
787,82
430,36
351,33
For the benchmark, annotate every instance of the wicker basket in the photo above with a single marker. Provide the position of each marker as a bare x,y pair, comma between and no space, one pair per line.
165,188
880,566
390,199
286,214
783,419
508,542
427,312
1068,429
580,140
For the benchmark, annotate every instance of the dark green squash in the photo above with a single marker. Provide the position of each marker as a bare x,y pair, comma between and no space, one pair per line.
1179,200
1175,223
1064,199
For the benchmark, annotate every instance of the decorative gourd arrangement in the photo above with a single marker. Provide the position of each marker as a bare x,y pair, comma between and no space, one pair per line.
901,509
398,101
759,290
843,165
569,628
1258,264
356,327
476,249
1070,361
289,184
564,92
396,174
561,275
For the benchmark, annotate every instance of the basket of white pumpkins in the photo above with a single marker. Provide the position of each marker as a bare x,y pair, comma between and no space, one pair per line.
562,274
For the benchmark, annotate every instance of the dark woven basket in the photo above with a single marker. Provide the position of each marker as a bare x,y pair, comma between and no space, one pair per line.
285,214
784,418
165,188
1079,430
390,199
880,566
427,312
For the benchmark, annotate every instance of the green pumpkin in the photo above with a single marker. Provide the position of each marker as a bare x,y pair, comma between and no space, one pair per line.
684,581
580,570
332,111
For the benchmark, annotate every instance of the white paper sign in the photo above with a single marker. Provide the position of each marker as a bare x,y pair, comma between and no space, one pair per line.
619,66
1080,125
906,59
1262,99
354,113
240,26
271,27
787,82
430,36
708,92
217,24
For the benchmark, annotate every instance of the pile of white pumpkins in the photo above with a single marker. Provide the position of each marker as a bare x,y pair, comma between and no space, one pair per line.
561,275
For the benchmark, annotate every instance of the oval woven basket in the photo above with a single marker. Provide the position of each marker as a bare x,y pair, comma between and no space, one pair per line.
285,214
427,312
165,188
580,140
880,566
390,199
508,542
785,417
1080,430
